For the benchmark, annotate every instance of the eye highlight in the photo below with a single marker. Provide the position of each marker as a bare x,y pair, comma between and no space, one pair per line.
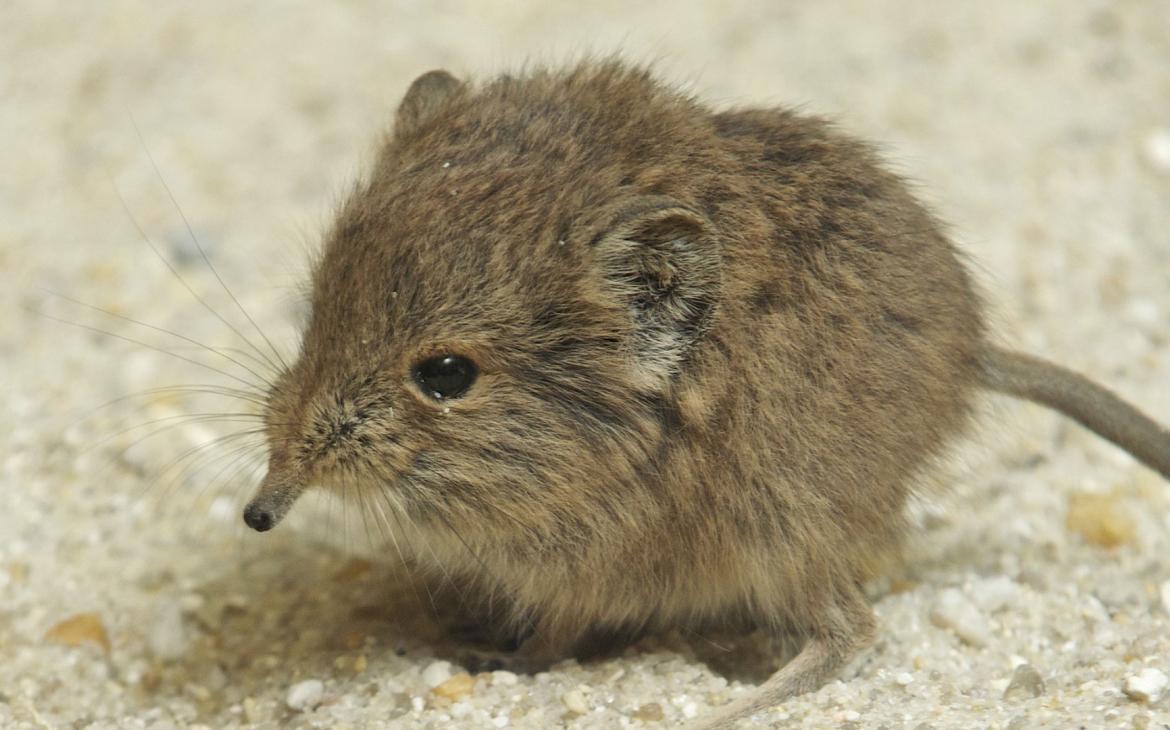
445,376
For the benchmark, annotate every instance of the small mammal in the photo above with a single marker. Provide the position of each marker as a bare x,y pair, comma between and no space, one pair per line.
627,363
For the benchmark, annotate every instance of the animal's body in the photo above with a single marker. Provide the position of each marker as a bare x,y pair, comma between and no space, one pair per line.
623,363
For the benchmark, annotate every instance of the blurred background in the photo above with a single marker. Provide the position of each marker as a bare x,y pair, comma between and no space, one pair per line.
129,594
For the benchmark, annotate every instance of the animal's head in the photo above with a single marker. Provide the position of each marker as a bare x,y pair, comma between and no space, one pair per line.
502,309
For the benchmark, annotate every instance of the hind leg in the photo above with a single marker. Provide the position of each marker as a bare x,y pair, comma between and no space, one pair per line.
845,628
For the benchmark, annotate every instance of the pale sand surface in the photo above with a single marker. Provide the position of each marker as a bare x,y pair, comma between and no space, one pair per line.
1041,131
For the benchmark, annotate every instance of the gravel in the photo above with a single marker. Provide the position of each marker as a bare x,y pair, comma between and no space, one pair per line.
132,597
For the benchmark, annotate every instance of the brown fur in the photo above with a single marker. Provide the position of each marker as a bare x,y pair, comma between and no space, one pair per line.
717,351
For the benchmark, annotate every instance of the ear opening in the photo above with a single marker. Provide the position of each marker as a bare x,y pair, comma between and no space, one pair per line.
426,95
661,261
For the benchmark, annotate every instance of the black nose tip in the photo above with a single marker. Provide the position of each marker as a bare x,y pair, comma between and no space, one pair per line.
258,518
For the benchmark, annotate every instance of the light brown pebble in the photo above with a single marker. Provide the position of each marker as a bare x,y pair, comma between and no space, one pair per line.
1100,519
649,712
458,686
78,629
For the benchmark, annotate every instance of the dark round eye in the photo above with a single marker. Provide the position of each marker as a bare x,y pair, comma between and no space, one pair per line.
445,376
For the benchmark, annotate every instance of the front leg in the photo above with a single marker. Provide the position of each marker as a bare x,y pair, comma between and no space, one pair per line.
531,646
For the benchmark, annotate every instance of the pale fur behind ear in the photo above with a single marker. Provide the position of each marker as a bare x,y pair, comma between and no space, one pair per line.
425,96
662,262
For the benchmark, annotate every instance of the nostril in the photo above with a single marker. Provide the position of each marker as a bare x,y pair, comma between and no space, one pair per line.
258,518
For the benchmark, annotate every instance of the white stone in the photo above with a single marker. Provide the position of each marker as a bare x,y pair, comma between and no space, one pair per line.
1147,685
461,709
167,636
904,678
953,611
1165,592
574,699
223,508
305,695
993,594
1157,149
436,673
504,678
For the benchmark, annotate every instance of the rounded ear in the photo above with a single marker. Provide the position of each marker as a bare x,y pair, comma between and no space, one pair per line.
661,261
424,97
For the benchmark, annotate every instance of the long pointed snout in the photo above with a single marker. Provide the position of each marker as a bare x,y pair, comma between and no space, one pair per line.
273,500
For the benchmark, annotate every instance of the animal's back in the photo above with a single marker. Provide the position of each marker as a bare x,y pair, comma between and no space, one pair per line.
851,329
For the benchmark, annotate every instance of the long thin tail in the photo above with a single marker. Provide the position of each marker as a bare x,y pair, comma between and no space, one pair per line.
1089,404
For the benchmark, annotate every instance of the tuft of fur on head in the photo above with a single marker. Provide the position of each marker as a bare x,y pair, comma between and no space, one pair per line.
714,350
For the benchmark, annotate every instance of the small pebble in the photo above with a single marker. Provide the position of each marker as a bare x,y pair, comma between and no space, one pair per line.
460,710
80,629
1157,150
252,710
904,679
649,712
504,678
167,636
1165,593
1143,312
574,699
436,673
1146,686
993,594
199,692
1026,683
456,687
690,710
953,611
305,695
222,509
1100,519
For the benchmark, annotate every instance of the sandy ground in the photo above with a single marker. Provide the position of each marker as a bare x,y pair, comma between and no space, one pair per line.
131,596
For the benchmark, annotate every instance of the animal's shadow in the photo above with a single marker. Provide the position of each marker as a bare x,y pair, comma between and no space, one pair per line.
297,610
